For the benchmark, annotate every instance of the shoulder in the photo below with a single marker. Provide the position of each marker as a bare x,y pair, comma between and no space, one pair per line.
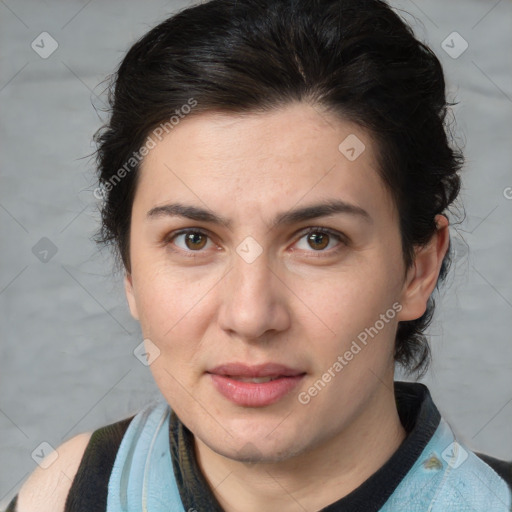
502,467
46,490
78,479
474,482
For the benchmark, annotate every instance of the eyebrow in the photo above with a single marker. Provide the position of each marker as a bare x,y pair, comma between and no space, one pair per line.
324,209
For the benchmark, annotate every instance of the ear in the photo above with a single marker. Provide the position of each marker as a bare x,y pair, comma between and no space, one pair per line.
422,277
130,295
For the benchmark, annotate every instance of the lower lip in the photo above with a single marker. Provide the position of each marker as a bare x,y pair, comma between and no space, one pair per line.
252,394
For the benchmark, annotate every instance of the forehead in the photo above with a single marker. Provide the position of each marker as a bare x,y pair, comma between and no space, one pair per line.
272,158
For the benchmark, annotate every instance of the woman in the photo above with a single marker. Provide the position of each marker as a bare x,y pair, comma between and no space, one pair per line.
276,177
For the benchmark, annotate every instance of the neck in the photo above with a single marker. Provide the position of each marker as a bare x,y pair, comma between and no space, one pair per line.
338,466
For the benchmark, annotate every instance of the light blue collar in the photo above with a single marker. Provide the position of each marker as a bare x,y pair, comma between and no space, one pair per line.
447,477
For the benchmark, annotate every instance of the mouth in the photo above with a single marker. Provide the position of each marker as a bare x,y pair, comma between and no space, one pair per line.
254,386
256,380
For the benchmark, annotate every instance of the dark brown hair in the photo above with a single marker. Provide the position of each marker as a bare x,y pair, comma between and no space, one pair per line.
356,58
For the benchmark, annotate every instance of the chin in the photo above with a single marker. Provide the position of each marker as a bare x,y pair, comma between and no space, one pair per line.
253,448
251,453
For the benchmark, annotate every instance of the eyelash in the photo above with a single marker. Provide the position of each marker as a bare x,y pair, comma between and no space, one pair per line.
193,254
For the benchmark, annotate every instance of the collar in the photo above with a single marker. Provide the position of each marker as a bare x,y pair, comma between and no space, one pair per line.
418,415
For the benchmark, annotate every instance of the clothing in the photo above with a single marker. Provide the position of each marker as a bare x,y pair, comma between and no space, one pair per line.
430,471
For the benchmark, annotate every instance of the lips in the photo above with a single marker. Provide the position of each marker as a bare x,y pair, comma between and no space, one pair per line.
262,370
254,386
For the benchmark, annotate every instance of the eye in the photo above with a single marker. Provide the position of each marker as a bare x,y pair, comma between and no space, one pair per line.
193,240
319,239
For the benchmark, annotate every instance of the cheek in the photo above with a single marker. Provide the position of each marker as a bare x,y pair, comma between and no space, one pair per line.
353,298
172,316
356,352
354,313
171,304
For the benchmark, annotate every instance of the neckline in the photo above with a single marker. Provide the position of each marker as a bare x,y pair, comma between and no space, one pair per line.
418,415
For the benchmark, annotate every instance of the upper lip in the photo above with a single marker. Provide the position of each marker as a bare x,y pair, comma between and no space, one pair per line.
260,370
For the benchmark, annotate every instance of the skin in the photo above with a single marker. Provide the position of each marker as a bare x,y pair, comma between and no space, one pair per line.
298,303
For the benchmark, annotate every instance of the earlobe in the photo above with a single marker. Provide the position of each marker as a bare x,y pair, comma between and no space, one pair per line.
422,276
130,295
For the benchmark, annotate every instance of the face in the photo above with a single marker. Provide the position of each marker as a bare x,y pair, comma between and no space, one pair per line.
240,273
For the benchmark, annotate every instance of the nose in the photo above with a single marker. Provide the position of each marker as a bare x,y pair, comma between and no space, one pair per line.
254,300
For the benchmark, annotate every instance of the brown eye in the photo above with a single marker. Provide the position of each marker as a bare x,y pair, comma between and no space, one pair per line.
188,241
318,240
322,241
195,240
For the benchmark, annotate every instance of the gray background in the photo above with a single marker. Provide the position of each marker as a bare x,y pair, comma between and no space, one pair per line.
67,340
